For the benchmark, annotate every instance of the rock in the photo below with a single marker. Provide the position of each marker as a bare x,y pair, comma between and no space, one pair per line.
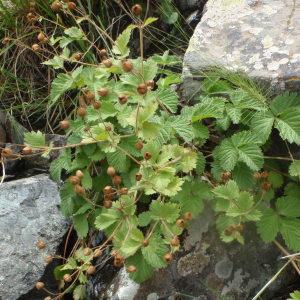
28,213
258,37
209,269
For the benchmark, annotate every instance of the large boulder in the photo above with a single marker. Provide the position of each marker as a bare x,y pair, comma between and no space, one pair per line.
28,213
258,37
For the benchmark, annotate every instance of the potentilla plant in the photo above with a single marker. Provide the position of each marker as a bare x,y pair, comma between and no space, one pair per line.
140,165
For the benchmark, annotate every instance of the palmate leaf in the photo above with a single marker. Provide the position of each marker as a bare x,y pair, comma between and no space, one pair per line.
118,160
290,230
63,162
61,84
35,139
262,124
132,242
284,101
243,176
268,225
182,126
168,98
168,212
288,206
81,225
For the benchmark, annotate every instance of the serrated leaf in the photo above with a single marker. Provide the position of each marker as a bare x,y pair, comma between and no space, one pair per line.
294,168
200,165
290,231
168,98
168,212
87,181
61,84
284,101
35,139
118,160
66,195
144,219
228,191
242,205
81,225
192,195
133,241
275,179
182,126
243,176
79,292
63,162
155,251
234,113
107,218
212,107
144,270
268,225
120,47
288,206
262,124
252,156
295,295
149,21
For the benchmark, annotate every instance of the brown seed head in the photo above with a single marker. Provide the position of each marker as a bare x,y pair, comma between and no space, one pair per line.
117,180
48,298
5,41
74,180
107,204
103,92
91,270
103,52
180,223
79,189
81,111
71,5
65,124
56,6
139,145
124,191
90,96
67,278
107,63
111,171
79,174
147,155
131,269
265,174
175,241
41,244
98,252
188,216
142,89
107,190
7,152
35,47
145,243
150,84
108,128
39,285
97,105
138,177
225,176
27,150
123,99
168,257
41,37
137,9
266,186
127,66
77,56
87,251
48,259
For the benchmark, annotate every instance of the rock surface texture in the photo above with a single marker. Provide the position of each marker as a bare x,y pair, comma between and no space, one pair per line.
28,213
259,37
208,269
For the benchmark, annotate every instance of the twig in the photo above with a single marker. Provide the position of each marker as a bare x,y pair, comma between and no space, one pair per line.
3,172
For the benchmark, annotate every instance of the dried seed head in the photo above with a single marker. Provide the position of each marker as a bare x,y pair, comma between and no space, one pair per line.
180,223
74,180
67,278
77,56
225,176
188,216
124,191
87,251
150,84
123,99
48,259
98,252
79,174
7,152
35,47
65,124
266,186
103,92
41,37
108,128
131,269
90,96
48,298
127,66
264,174
107,190
142,89
79,190
103,52
139,145
137,9
97,105
107,203
41,244
175,241
71,5
138,177
56,6
145,243
107,63
117,180
27,150
5,41
168,257
91,270
147,155
81,111
111,171
39,285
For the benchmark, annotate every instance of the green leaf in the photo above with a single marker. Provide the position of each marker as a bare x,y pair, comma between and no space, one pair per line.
87,181
132,243
290,231
144,270
192,195
168,98
79,292
294,168
56,62
284,101
288,124
268,225
61,84
243,205
63,162
288,206
81,225
118,160
295,295
252,156
182,126
144,219
35,139
107,218
243,176
262,124
120,47
149,21
228,191
155,251
209,107
234,113
227,155
168,212
200,165
74,32
275,179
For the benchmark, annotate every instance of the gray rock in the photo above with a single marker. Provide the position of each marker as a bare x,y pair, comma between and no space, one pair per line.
28,213
258,37
211,269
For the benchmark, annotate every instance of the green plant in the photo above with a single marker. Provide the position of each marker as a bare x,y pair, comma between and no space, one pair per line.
141,165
